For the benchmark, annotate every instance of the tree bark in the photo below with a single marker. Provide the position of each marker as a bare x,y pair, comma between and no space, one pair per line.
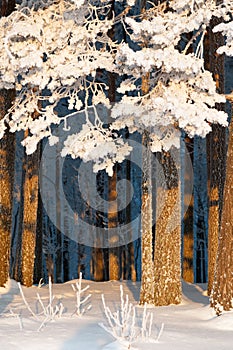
114,253
147,266
167,262
222,291
7,145
187,227
6,7
30,210
216,150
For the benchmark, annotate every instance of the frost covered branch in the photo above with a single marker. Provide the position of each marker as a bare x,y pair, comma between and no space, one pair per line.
80,301
126,326
58,50
26,303
50,312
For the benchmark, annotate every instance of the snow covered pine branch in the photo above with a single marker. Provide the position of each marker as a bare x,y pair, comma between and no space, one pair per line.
53,51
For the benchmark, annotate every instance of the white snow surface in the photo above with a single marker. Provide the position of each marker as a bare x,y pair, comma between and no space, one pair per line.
190,325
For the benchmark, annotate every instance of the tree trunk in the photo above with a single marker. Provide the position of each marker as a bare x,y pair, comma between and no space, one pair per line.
167,263
6,186
187,227
200,219
147,267
216,145
30,209
6,7
222,292
7,145
114,253
38,266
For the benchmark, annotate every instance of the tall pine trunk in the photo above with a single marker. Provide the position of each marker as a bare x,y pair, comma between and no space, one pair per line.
30,209
147,266
222,292
187,227
7,144
216,150
167,251
6,186
114,253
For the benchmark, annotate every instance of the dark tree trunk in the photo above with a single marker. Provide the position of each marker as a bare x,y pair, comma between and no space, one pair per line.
216,153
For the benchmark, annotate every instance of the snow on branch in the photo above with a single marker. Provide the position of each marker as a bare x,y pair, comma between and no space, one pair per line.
227,30
53,51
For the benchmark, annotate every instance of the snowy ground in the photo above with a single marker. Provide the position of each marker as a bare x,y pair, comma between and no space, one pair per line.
191,325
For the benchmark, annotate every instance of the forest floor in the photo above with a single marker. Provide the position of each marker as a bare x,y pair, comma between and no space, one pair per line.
190,325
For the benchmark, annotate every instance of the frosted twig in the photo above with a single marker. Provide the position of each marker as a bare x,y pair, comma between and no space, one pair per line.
79,301
121,322
41,283
51,311
25,302
126,327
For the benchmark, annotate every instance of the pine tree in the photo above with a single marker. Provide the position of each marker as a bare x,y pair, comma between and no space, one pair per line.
187,225
30,209
222,292
216,151
147,266
167,251
6,171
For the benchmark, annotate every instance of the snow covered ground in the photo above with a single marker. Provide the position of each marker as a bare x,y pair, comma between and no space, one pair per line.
191,325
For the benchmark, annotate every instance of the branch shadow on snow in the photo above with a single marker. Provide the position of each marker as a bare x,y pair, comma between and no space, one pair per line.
88,336
134,288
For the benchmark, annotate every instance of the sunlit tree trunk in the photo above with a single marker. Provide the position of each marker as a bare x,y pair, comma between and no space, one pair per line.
6,171
222,292
147,267
167,263
6,187
216,150
30,209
